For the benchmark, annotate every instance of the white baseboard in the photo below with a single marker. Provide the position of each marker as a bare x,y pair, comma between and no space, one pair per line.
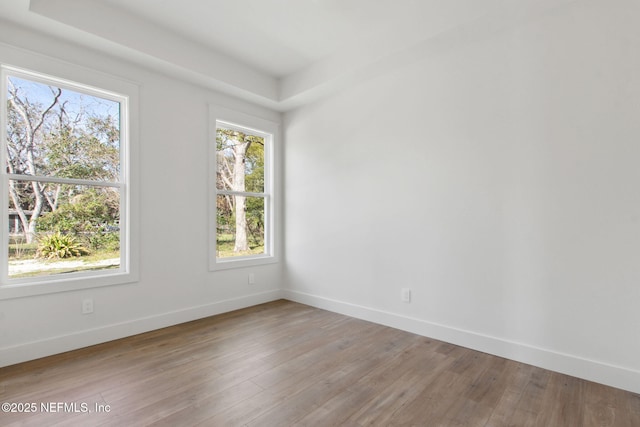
615,376
50,346
603,373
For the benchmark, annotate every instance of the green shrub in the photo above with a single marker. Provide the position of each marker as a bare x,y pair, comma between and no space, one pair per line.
59,245
88,212
104,240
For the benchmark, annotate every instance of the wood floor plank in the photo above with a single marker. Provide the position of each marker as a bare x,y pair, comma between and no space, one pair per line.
283,363
530,404
514,377
563,401
205,408
600,407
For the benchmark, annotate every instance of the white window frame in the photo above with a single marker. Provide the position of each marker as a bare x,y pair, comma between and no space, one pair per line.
79,79
230,119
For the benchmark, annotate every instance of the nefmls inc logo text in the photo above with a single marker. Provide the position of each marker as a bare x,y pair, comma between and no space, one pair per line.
68,407
72,407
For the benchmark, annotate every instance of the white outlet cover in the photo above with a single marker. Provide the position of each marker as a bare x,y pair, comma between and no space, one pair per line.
87,306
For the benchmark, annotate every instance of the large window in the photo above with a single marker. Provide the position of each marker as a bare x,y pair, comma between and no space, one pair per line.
65,151
243,202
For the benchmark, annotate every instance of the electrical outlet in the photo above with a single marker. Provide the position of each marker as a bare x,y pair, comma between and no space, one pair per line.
406,295
87,306
252,279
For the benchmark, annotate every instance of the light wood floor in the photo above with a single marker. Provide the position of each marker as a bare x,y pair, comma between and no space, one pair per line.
282,364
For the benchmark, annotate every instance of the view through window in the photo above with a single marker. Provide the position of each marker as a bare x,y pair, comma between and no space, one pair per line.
64,187
241,192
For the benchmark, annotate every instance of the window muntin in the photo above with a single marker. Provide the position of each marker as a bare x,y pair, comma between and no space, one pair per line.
64,147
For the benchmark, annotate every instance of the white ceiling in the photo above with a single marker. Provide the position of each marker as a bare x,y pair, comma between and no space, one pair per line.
279,53
279,37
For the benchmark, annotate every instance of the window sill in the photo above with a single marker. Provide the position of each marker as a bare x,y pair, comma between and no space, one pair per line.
48,285
241,262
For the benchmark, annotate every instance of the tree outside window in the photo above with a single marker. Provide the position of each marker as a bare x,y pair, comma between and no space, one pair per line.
62,155
240,188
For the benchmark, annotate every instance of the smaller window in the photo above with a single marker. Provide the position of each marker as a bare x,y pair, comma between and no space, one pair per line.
243,205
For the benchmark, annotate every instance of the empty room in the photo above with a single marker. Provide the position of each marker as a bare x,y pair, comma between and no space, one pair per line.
320,213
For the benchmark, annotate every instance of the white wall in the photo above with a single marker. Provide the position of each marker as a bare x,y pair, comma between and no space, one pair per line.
175,284
498,180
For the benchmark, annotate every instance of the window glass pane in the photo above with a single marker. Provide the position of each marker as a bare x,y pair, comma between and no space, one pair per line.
240,226
54,131
77,228
240,161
